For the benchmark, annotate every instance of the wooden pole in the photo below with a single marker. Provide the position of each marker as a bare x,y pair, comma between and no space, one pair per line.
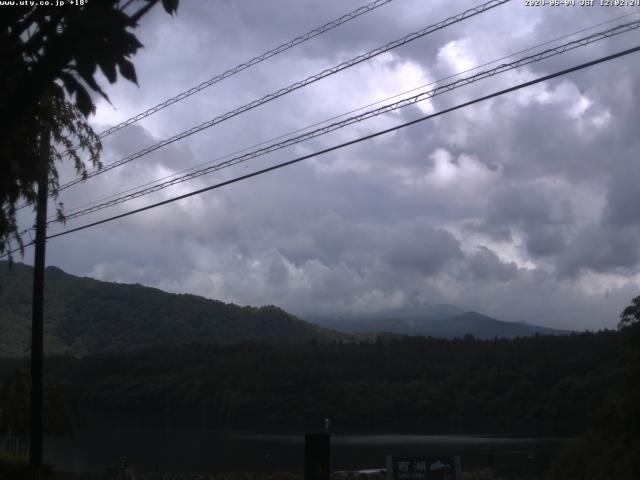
37,327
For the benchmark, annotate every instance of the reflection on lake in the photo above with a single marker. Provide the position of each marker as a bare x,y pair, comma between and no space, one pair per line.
169,448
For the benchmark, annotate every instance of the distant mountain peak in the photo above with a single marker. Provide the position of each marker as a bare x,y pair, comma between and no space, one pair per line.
454,325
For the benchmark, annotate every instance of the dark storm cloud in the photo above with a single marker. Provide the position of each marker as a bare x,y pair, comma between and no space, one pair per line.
523,207
421,248
485,265
602,249
623,199
537,211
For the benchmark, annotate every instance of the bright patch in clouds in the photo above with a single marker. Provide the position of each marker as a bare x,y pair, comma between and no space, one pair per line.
463,178
456,56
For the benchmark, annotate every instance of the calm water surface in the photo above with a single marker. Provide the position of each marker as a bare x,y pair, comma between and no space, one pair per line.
152,447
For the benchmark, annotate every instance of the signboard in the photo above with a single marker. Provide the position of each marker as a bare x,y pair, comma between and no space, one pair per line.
423,468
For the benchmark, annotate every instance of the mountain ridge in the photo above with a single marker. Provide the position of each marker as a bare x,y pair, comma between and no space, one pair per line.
453,326
85,316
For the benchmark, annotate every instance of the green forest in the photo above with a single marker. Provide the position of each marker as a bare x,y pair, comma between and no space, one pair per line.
134,350
580,385
540,384
85,316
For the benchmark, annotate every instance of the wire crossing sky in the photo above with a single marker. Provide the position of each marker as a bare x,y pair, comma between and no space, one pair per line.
551,52
346,144
352,142
248,64
251,148
243,66
294,86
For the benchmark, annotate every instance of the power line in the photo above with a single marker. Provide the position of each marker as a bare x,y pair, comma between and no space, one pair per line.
243,66
239,68
295,86
249,63
345,144
352,142
335,117
617,30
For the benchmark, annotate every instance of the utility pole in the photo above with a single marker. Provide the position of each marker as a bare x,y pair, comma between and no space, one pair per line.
37,318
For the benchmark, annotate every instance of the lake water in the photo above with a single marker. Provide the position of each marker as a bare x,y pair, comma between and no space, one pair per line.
170,448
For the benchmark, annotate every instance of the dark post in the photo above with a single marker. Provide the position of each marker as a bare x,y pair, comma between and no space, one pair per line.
317,448
35,439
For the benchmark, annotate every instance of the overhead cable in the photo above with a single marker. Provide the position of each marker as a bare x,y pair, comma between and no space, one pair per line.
344,114
239,68
551,52
346,144
342,145
295,86
249,63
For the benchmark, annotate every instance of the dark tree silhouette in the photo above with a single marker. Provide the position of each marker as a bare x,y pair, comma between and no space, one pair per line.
49,57
631,314
61,418
14,412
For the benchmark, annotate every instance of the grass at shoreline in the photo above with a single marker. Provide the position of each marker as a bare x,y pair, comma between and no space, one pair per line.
22,473
15,467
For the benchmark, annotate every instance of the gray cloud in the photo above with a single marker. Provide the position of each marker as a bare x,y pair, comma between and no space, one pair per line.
523,207
623,198
485,265
601,249
539,211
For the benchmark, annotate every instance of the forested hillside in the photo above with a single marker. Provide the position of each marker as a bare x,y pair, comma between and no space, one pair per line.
537,384
84,316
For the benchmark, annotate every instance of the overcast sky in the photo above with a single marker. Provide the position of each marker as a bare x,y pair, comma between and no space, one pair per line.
523,207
